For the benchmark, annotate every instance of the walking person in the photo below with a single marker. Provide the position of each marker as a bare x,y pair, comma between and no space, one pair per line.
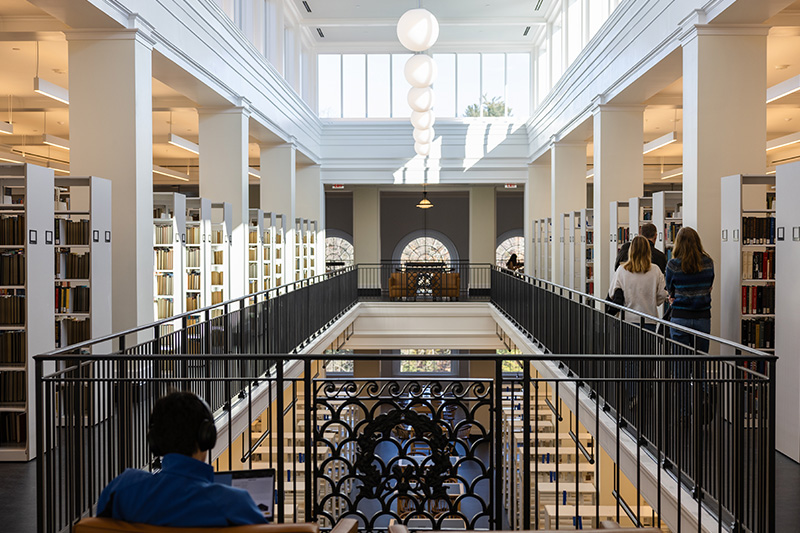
641,282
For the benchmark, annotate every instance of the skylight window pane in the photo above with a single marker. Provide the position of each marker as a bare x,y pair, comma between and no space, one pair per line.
354,77
330,88
378,104
558,53
445,86
400,86
494,78
518,85
469,85
574,30
542,74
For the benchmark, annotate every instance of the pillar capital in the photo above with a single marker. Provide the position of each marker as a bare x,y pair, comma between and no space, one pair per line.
690,32
141,36
225,110
599,107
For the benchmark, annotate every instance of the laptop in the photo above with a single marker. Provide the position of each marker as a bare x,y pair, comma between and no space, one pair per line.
259,483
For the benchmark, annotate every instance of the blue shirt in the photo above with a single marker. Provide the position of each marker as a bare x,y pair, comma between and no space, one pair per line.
182,494
692,292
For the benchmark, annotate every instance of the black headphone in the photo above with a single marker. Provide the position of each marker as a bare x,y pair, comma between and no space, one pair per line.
206,432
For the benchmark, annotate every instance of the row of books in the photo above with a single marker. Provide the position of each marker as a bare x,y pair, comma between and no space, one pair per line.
253,237
590,287
192,235
164,260
193,281
216,297
164,308
217,277
161,212
758,333
72,265
758,299
72,299
163,234
758,265
12,347
590,254
253,286
76,232
193,258
12,267
671,231
12,230
12,309
623,234
589,237
12,428
164,284
253,254
218,258
192,302
12,387
217,236
758,230
72,331
253,270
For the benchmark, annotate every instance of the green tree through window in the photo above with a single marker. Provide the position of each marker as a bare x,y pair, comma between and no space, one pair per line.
495,107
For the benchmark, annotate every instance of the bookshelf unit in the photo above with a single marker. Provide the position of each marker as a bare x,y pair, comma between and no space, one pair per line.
573,280
221,230
82,240
747,261
587,252
255,251
197,267
620,230
300,248
535,251
274,238
787,252
640,211
313,228
548,247
26,300
564,253
668,218
169,238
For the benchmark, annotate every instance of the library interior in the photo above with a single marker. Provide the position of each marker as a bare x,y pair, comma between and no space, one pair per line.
363,234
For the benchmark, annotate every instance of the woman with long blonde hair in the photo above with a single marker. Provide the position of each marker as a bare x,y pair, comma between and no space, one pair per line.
641,282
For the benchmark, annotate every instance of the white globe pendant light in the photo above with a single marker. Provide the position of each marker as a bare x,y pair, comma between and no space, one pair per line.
423,136
420,98
418,29
420,71
422,149
422,120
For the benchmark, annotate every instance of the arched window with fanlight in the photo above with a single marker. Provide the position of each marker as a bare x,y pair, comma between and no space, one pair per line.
511,242
425,246
339,251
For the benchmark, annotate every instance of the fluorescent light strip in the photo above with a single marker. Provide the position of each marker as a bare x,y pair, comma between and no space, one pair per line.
58,142
170,173
674,173
186,144
785,88
51,90
771,172
11,158
661,142
254,172
7,128
786,140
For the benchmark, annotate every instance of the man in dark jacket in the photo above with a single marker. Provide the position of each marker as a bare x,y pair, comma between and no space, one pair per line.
658,258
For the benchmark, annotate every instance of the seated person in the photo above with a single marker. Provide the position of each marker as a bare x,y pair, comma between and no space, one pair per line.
512,264
183,493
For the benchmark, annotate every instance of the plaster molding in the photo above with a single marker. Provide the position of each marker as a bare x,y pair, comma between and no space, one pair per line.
118,34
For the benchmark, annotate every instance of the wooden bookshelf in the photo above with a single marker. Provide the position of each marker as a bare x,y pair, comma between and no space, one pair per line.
26,300
221,231
197,266
668,218
169,239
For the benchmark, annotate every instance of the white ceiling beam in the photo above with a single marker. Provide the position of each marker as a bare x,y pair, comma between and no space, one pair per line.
392,22
785,88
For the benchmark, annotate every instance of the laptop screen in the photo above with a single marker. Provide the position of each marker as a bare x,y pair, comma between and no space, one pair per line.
260,484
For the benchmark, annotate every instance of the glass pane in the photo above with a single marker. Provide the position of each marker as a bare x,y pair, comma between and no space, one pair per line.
575,30
512,245
400,86
558,53
354,84
445,86
518,85
542,74
494,80
330,89
469,85
437,367
378,104
596,17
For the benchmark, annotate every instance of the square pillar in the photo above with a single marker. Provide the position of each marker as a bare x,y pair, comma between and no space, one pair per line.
278,194
367,225
618,176
111,136
567,193
723,70
537,205
311,205
224,135
482,225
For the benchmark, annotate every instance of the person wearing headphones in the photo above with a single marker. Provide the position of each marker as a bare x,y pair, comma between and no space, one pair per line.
183,492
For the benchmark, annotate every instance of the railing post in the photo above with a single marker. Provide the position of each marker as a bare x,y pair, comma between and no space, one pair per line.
279,431
526,472
310,427
498,444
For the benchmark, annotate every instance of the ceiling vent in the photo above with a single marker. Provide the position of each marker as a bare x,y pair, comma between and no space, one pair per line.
538,5
525,33
305,5
319,30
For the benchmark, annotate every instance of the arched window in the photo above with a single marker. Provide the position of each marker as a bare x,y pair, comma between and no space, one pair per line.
510,243
338,250
425,246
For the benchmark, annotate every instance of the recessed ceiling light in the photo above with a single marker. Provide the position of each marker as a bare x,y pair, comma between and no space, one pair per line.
782,67
16,49
60,122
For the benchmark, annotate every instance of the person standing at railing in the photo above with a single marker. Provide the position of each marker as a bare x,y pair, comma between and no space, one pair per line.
512,264
690,276
641,282
183,492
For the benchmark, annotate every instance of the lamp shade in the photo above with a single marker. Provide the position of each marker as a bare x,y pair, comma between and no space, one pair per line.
423,136
420,71
417,29
422,149
422,120
420,98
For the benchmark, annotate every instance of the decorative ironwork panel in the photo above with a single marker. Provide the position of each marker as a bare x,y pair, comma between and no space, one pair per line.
418,452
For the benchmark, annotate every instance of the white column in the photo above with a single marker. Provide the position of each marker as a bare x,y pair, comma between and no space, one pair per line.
367,224
537,202
567,193
111,136
716,141
482,225
278,194
311,205
618,175
224,135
